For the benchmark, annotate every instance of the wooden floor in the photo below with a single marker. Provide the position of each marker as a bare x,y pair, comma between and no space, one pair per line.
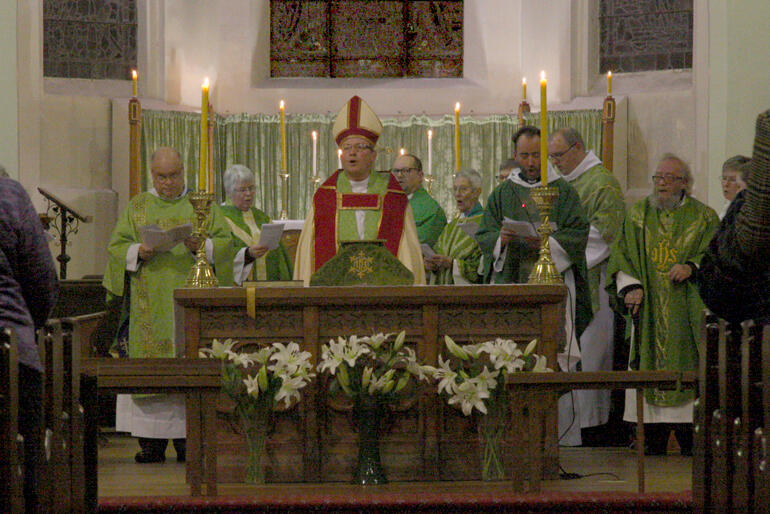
606,469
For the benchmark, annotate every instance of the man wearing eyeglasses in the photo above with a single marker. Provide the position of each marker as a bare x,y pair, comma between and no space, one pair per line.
651,278
355,203
428,214
152,274
602,201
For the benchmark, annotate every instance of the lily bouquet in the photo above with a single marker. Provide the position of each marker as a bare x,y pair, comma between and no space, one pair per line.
374,372
257,382
473,377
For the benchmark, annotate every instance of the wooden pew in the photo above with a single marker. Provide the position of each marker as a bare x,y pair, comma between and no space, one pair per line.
11,452
730,446
200,380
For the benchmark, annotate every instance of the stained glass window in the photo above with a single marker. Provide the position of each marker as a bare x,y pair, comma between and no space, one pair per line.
366,38
89,39
644,35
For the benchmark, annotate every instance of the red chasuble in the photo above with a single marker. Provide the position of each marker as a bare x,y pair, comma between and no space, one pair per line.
327,201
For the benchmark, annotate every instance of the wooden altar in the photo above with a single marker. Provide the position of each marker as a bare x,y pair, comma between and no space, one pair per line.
424,439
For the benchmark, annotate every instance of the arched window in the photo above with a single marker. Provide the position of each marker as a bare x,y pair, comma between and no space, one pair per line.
645,35
89,39
370,39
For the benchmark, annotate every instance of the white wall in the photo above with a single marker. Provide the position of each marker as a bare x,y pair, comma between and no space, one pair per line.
9,106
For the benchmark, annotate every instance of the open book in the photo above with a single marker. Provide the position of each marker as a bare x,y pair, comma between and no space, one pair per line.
270,235
164,240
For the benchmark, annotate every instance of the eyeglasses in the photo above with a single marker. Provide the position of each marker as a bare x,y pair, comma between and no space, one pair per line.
559,155
248,189
463,190
360,147
402,171
668,179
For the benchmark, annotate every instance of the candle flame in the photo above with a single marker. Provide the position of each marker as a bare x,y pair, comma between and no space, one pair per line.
314,134
457,107
281,105
542,76
339,152
609,74
523,81
133,74
206,83
403,151
430,134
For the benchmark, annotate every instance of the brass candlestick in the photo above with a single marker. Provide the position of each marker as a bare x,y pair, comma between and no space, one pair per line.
201,274
545,271
284,194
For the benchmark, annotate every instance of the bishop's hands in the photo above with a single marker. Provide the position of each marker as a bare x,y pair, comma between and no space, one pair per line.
633,300
437,262
680,272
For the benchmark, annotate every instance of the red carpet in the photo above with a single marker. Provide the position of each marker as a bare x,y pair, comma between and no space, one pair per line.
373,501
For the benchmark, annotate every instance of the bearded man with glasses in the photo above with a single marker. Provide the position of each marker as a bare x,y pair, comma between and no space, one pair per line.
356,203
652,279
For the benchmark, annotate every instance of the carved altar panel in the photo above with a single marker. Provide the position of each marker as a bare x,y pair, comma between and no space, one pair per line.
425,439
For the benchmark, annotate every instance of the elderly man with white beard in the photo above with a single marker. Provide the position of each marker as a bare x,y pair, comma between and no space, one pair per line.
652,279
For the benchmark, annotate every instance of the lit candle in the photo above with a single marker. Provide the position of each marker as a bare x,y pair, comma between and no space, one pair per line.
430,152
543,132
314,134
609,83
403,151
134,78
339,158
282,107
457,136
524,89
204,149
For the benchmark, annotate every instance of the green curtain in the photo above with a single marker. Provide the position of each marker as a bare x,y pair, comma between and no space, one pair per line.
254,141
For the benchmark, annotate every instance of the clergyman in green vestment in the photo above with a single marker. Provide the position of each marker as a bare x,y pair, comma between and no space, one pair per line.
458,255
428,214
252,260
651,270
152,276
602,201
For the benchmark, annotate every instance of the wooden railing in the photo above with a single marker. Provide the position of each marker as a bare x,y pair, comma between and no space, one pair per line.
11,451
730,454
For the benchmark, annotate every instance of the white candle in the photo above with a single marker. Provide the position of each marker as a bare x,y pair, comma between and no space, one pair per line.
339,158
430,152
315,153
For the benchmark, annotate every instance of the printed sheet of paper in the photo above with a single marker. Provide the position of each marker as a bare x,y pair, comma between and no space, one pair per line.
164,240
427,251
525,228
469,228
270,235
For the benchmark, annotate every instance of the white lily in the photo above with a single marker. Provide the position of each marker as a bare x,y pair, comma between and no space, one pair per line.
399,342
376,340
471,394
252,386
455,349
219,350
289,389
530,347
541,364
488,378
262,355
379,384
446,377
240,359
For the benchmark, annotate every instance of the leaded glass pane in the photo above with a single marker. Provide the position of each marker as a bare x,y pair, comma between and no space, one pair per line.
643,35
366,38
92,39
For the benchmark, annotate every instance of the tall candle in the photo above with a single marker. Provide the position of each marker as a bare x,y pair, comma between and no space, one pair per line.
282,107
430,152
314,134
609,83
339,158
204,146
134,78
543,131
524,89
457,136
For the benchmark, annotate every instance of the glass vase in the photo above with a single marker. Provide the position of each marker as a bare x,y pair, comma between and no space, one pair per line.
254,425
492,427
368,411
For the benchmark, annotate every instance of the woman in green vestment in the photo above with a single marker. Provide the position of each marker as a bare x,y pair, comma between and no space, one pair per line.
252,261
457,254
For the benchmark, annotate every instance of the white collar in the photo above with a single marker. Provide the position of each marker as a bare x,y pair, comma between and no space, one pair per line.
516,179
588,162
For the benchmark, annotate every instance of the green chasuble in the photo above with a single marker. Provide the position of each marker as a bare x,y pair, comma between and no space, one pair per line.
151,321
275,264
428,216
463,249
512,200
602,200
651,241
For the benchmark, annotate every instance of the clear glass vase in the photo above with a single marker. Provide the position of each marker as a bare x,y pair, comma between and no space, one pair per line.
368,411
255,420
492,427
